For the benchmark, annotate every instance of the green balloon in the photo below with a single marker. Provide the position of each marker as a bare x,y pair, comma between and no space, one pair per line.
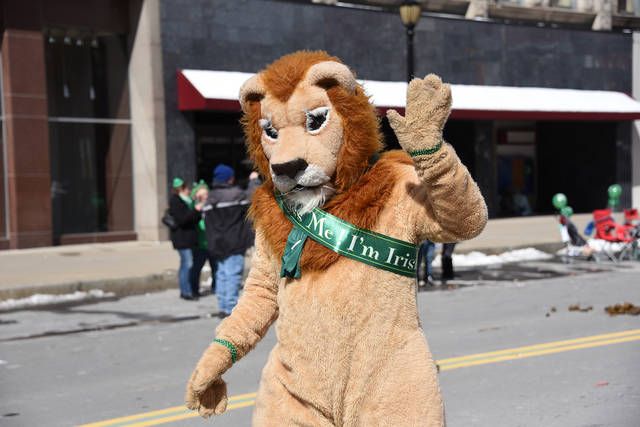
614,203
566,211
559,201
615,191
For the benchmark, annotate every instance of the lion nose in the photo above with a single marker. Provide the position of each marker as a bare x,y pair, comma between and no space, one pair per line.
291,168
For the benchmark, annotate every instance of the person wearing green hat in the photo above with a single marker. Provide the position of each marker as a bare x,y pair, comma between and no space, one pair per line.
184,235
199,194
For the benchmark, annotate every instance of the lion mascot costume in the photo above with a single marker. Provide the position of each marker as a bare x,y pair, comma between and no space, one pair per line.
337,226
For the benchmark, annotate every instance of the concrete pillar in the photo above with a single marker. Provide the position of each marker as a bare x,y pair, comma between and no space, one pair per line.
603,21
26,130
148,124
477,9
635,144
485,164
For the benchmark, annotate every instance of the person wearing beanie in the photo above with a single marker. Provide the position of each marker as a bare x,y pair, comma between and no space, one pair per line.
184,236
223,174
229,234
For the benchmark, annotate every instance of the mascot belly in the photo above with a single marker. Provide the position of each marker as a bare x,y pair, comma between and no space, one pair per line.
335,250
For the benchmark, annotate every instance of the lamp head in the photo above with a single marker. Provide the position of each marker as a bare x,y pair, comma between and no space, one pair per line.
410,13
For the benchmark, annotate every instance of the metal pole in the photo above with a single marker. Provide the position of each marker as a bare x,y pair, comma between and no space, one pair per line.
409,53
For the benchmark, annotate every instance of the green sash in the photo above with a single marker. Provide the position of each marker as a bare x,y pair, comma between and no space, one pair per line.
369,247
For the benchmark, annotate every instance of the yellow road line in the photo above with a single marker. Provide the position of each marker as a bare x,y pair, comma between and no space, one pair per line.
177,413
174,409
448,367
189,414
539,346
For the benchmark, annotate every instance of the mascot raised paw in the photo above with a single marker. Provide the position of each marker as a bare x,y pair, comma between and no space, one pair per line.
336,232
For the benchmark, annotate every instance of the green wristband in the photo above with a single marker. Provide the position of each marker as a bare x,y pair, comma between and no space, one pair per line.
426,151
232,348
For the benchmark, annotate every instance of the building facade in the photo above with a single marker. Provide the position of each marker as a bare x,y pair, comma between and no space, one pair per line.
92,132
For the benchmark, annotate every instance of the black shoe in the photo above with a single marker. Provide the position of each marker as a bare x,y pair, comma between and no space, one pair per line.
189,297
222,315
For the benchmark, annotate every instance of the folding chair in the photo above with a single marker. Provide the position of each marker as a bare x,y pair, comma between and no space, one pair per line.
610,231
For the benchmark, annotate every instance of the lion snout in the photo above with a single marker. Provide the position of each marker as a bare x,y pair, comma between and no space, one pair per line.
290,168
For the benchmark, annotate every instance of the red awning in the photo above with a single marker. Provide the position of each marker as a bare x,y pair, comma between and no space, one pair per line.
218,90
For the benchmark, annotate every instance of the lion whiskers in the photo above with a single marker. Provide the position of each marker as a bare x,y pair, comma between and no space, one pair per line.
304,200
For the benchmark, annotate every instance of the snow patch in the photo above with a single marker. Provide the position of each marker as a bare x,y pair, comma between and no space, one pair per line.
473,259
47,299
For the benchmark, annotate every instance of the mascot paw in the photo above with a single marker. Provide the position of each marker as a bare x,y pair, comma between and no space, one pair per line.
206,391
428,107
210,401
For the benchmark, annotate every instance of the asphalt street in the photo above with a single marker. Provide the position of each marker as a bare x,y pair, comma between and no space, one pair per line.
511,354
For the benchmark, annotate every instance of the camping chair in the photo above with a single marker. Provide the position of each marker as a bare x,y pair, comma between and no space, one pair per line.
632,223
610,231
607,229
631,217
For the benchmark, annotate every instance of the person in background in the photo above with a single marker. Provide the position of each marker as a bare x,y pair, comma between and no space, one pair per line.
425,258
229,233
184,236
446,259
200,194
426,254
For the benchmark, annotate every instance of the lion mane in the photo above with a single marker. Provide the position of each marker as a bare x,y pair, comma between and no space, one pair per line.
362,189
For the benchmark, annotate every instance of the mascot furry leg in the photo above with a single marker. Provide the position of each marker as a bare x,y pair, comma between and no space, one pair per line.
335,250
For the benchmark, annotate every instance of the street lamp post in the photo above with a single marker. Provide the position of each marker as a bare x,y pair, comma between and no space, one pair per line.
410,15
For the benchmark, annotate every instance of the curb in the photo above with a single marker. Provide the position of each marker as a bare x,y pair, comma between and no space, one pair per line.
168,280
120,287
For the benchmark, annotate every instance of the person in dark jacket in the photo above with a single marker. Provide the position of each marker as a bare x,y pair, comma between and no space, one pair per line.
184,235
229,233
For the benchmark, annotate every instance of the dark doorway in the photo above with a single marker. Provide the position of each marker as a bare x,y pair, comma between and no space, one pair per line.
577,159
459,133
219,139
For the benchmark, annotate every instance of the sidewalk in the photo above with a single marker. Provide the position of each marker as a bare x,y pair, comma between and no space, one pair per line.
139,267
122,268
512,233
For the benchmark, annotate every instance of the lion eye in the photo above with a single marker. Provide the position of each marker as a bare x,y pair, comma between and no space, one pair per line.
316,119
268,129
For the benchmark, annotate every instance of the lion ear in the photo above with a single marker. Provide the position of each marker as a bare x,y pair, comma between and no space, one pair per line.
251,91
327,74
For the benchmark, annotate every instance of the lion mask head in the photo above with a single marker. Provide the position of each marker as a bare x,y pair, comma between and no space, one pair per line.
310,127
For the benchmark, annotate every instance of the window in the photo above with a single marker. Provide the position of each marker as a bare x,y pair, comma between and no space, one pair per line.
89,128
568,4
516,168
631,7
